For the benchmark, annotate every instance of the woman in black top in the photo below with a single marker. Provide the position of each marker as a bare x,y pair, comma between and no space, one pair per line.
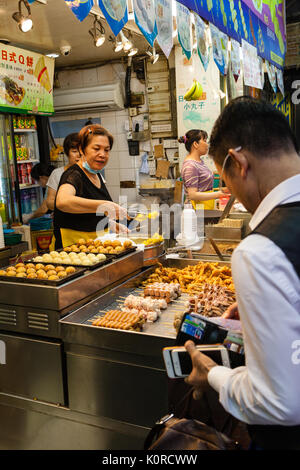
83,205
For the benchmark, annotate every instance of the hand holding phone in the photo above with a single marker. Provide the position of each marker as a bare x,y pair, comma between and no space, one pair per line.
179,364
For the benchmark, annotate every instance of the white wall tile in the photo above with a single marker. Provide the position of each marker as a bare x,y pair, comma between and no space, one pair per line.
114,192
105,74
113,161
109,122
121,143
120,122
126,161
112,175
127,174
131,194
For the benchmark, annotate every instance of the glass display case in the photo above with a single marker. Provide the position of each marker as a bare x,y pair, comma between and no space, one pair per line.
27,155
9,189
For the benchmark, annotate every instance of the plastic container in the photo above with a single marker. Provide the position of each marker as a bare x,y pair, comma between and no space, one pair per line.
189,224
11,237
41,223
24,230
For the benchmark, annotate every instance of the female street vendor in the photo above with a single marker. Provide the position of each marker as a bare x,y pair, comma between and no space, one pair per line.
82,199
197,178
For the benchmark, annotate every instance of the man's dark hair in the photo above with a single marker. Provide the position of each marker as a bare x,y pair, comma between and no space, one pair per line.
253,124
41,169
71,142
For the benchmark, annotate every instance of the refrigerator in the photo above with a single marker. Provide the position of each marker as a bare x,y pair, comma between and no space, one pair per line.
19,193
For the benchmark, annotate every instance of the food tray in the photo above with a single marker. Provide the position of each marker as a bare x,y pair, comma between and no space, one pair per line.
44,282
91,267
123,253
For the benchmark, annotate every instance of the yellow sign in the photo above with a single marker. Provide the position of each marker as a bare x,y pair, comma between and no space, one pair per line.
284,105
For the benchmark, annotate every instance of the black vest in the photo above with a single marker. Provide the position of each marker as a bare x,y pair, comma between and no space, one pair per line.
282,226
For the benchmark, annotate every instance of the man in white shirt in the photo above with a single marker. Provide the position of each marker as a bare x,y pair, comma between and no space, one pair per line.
256,153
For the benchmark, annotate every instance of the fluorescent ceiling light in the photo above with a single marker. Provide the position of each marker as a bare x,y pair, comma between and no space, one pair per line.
53,55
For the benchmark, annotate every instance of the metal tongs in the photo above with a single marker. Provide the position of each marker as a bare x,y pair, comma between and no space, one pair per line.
227,208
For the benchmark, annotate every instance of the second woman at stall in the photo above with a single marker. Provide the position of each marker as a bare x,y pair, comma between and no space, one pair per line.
82,199
197,177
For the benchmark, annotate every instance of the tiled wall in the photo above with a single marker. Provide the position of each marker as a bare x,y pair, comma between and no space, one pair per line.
121,166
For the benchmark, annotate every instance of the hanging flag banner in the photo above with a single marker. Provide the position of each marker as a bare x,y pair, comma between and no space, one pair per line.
144,14
164,20
236,19
271,13
183,18
280,82
251,66
116,14
202,33
262,72
30,1
235,58
220,48
271,69
26,81
80,8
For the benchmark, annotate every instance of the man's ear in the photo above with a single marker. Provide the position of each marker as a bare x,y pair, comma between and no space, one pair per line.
241,161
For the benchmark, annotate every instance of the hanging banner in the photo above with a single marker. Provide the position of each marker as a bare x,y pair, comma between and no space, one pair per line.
80,8
284,105
116,14
236,19
280,82
164,21
251,66
262,72
184,29
144,14
202,32
272,76
235,59
271,13
220,48
26,81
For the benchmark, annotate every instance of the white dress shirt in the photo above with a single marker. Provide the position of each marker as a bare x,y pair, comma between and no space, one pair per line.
267,389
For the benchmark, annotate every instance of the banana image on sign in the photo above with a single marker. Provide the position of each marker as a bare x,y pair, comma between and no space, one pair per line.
195,92
41,73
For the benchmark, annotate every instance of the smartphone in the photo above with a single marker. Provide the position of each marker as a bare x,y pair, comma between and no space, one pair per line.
179,363
200,330
169,363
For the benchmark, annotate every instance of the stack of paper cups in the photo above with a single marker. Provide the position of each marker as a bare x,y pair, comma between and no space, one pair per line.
2,244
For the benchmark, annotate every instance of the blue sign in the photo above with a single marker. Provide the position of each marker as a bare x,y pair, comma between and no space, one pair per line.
116,14
80,8
238,21
144,15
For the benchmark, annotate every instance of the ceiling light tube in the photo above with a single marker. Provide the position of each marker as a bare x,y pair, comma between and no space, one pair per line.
24,22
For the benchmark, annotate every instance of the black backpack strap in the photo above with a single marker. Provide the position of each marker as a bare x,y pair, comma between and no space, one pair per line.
282,227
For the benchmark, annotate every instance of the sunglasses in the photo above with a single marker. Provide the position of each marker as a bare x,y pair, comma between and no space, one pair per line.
237,149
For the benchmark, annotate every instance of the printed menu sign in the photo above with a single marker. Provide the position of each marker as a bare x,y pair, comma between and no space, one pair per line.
26,81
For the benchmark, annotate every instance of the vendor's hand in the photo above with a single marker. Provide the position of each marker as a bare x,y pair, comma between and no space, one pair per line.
26,218
118,228
113,211
225,190
232,312
201,366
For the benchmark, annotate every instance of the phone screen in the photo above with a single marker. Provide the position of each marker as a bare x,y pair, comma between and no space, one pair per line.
193,326
185,361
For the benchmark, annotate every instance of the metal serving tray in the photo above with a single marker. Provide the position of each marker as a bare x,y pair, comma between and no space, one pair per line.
90,267
43,282
65,296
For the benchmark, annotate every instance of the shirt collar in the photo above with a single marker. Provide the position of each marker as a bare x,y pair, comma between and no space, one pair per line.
279,195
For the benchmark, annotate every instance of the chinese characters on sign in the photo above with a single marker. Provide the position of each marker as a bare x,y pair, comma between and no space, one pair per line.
26,81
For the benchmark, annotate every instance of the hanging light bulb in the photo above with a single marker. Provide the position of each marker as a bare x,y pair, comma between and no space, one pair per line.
155,56
118,43
127,45
97,32
24,22
133,51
